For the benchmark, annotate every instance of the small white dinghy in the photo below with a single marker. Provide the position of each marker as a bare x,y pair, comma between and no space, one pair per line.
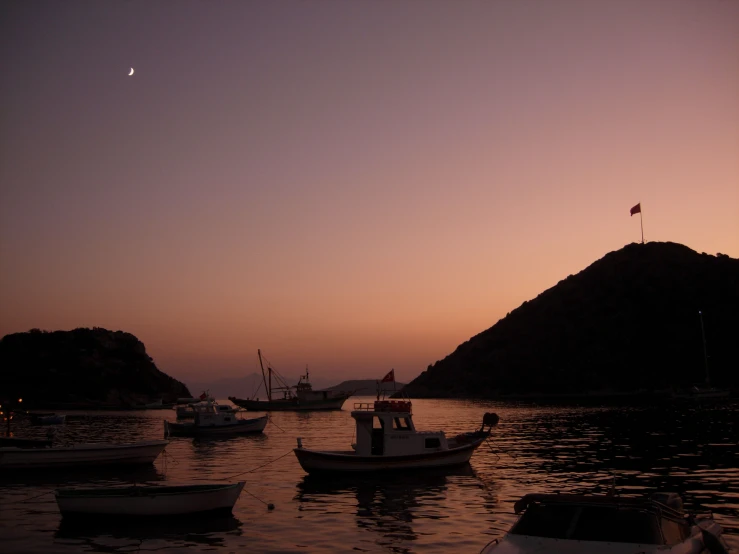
584,524
93,454
148,500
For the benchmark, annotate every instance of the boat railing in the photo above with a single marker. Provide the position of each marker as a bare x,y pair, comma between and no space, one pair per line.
403,406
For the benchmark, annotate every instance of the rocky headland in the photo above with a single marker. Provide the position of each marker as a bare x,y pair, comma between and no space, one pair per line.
82,369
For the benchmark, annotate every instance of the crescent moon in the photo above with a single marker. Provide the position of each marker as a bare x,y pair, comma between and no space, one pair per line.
131,72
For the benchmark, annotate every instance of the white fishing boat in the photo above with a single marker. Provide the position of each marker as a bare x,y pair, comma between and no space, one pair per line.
283,397
148,500
585,524
92,454
209,420
388,440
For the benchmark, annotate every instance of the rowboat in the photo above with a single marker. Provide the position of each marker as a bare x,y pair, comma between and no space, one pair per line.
154,500
208,419
580,524
144,452
388,440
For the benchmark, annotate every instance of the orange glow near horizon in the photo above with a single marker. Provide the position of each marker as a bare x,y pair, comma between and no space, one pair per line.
359,193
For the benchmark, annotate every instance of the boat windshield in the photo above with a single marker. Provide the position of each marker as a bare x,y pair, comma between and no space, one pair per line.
589,523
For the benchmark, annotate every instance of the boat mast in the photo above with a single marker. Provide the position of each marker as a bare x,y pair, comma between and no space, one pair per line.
705,355
264,378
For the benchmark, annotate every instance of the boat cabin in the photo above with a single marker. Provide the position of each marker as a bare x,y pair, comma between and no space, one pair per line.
385,428
209,413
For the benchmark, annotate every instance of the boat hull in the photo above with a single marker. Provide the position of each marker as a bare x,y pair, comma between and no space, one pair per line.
243,427
524,544
314,461
294,405
24,443
81,455
148,501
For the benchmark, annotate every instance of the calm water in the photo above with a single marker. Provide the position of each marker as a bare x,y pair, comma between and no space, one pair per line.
691,449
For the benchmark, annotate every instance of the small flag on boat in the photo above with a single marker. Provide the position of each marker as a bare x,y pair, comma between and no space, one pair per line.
203,396
636,209
389,377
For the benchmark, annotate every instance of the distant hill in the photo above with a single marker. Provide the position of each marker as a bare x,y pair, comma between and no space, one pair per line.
627,322
366,387
83,368
249,385
222,388
243,387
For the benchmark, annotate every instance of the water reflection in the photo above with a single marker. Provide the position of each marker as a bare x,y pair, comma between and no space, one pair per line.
120,535
388,504
92,475
688,448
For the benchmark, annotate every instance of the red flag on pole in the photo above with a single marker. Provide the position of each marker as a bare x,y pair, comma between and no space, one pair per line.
203,396
389,377
636,209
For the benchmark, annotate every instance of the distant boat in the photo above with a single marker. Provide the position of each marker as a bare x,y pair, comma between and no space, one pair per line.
210,420
707,391
570,523
93,454
155,500
47,418
156,405
301,397
387,440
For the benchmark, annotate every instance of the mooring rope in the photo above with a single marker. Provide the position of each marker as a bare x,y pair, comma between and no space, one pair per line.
273,423
258,467
33,497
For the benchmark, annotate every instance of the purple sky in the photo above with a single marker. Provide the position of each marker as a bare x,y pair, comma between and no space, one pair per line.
349,185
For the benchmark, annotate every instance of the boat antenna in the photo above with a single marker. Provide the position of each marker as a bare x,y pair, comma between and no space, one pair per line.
705,355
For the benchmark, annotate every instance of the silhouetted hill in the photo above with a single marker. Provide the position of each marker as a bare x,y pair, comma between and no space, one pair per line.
627,322
83,368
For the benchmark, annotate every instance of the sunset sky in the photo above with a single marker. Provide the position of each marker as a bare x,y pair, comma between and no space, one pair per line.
352,185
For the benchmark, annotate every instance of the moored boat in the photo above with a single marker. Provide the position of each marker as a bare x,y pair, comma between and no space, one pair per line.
301,397
144,452
154,500
208,419
388,440
580,524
